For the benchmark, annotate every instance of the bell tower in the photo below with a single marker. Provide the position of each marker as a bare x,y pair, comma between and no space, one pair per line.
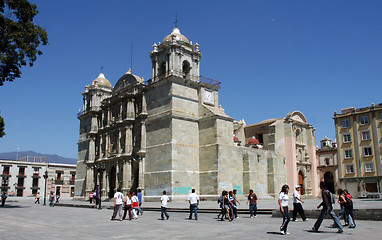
175,56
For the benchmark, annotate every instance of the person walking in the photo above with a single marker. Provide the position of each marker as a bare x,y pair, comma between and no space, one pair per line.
135,205
297,204
139,195
118,201
37,198
345,208
163,209
235,201
252,200
91,198
226,206
283,203
51,199
349,202
327,208
57,198
193,199
3,198
127,206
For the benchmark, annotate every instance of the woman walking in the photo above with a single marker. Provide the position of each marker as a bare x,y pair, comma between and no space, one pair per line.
127,206
283,203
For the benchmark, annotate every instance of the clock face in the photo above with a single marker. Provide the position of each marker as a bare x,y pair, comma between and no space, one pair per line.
208,96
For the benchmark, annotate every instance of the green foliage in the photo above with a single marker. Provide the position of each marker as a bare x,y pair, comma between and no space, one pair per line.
19,37
2,133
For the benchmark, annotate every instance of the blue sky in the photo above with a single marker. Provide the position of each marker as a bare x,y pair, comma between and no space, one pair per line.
272,57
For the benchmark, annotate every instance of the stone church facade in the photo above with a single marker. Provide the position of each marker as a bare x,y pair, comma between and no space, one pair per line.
170,133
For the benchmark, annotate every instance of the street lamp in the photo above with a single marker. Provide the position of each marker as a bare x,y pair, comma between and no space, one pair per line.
45,177
100,169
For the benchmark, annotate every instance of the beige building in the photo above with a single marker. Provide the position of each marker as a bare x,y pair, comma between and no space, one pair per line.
24,179
292,142
327,164
170,133
359,134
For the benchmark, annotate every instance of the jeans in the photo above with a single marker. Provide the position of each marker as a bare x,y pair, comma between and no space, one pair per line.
297,208
163,212
286,219
252,209
117,211
194,208
322,216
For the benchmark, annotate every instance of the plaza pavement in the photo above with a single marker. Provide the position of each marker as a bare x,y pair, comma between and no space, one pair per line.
22,219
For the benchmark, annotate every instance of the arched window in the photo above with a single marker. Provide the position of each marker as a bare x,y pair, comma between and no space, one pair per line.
186,69
162,68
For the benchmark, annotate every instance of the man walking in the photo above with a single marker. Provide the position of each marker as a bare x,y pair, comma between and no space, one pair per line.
118,201
297,204
327,208
193,199
252,200
37,198
163,208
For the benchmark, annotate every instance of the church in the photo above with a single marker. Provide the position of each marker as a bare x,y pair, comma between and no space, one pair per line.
170,133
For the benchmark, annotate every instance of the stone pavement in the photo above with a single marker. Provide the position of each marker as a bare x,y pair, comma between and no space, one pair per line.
22,219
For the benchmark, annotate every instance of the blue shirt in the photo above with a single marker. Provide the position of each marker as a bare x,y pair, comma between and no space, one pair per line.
139,197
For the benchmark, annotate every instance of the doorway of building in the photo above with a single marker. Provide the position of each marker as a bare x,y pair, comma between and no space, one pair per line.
329,181
58,191
301,182
112,177
371,187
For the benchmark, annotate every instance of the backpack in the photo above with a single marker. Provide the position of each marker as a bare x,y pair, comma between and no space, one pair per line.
348,203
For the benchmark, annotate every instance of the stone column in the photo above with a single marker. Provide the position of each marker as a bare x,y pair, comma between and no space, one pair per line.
119,150
89,180
143,136
105,184
129,140
141,183
144,106
100,152
107,145
126,179
91,150
130,109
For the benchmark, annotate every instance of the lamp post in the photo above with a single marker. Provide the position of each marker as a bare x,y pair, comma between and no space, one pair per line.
100,169
45,177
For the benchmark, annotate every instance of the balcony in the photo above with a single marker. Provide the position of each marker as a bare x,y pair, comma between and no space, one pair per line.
59,181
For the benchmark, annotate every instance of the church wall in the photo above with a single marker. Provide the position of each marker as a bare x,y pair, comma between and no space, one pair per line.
280,159
230,168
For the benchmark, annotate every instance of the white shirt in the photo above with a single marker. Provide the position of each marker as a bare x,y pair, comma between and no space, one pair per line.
134,199
128,201
164,199
284,199
119,198
193,198
296,195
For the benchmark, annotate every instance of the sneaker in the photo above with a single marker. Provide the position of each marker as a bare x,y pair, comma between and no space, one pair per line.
314,230
287,233
168,217
352,227
237,217
295,220
306,219
340,231
255,216
251,216
282,232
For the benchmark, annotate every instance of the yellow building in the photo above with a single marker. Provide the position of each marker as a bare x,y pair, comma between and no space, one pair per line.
359,139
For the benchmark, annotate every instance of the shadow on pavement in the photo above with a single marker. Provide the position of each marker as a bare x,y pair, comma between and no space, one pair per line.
275,233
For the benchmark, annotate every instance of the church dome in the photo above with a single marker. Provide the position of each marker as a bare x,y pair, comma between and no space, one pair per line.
177,36
101,81
127,81
253,141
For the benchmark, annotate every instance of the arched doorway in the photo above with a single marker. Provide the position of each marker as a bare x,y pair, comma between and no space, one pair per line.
329,181
301,182
112,177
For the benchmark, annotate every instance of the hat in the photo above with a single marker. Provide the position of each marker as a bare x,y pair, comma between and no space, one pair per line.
298,186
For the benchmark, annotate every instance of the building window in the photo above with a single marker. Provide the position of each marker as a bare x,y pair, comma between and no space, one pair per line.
349,168
367,152
21,171
36,171
327,161
365,135
345,123
369,167
59,176
346,138
364,120
6,170
348,153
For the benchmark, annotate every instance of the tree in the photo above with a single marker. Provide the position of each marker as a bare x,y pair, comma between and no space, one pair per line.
20,38
2,133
